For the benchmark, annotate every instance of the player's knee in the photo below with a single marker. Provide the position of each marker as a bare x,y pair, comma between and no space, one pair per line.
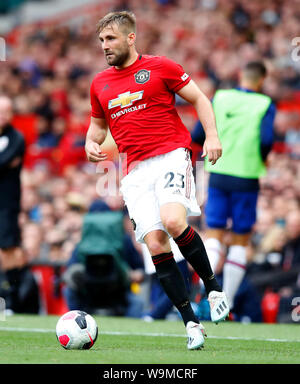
242,239
9,252
175,225
157,242
156,247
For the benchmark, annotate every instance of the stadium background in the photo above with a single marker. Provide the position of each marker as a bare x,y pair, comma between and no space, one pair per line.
52,54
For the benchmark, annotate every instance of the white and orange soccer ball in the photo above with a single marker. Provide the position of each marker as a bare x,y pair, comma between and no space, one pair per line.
76,330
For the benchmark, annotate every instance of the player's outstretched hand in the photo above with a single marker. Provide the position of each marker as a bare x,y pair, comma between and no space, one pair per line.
212,148
93,152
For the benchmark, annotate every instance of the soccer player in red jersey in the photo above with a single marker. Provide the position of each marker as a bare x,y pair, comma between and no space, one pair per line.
135,98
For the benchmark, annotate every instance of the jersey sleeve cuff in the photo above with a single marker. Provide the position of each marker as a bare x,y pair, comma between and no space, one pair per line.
181,85
97,115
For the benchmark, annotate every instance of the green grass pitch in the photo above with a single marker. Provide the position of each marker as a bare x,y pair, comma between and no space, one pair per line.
28,339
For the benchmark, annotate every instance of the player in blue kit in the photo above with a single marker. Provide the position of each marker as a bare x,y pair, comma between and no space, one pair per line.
244,118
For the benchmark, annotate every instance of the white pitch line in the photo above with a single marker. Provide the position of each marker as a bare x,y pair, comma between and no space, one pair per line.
117,333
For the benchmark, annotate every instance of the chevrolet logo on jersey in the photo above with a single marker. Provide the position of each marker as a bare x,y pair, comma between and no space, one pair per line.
125,99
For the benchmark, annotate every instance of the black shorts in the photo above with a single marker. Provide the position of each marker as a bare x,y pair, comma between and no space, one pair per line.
10,234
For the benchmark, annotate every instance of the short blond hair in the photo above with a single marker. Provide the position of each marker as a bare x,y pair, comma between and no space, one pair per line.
123,19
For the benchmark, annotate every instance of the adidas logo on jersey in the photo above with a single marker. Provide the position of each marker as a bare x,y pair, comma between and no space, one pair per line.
177,192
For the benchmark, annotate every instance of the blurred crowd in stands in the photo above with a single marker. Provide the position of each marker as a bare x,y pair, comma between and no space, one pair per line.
48,73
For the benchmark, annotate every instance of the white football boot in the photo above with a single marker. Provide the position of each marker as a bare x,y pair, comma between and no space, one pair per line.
219,307
196,333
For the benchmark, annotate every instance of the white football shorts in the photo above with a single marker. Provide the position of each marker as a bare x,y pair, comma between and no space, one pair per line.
162,179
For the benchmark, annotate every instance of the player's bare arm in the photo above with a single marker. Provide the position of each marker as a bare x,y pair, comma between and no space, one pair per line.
95,136
192,94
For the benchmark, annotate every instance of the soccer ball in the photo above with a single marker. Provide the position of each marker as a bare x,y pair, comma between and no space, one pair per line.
76,330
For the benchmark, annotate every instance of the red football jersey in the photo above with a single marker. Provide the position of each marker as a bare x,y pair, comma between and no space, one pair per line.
138,103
